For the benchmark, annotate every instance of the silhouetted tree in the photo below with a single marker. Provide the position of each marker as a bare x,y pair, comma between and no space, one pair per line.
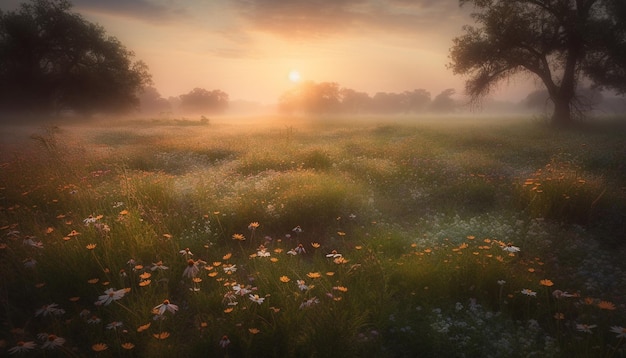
53,60
444,102
559,41
313,98
200,100
151,101
417,100
353,101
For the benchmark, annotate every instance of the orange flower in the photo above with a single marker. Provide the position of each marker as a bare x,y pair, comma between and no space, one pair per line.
284,279
315,245
91,246
314,275
227,256
144,327
128,345
239,237
162,335
559,316
606,305
546,282
99,347
254,330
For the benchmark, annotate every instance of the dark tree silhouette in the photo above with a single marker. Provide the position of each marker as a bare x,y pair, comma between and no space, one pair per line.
201,101
444,102
151,101
53,60
561,42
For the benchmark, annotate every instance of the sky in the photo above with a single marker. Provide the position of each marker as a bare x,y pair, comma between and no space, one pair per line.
248,48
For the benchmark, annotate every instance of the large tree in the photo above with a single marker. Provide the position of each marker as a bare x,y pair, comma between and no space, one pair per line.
199,101
52,60
561,42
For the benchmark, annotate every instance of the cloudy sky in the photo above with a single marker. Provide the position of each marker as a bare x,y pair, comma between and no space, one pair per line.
247,48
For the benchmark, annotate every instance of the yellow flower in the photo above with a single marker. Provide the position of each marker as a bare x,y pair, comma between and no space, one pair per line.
358,247
341,233
239,237
99,347
227,256
330,273
273,259
145,275
284,279
228,310
93,280
278,250
91,246
546,283
606,305
212,274
253,225
128,345
315,245
341,288
144,283
314,275
254,330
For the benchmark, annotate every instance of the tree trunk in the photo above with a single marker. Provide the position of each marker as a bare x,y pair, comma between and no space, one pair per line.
562,115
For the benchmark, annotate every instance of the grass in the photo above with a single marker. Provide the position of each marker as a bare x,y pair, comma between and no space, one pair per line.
329,237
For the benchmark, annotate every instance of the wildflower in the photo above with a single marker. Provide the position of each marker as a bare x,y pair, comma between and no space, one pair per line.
158,266
292,252
529,292
559,316
586,328
606,305
253,225
230,269
99,347
144,283
333,254
314,275
284,279
310,302
186,252
128,346
340,288
227,256
224,341
191,270
94,320
262,252
510,248
254,330
621,331
30,242
546,283
501,282
91,246
162,335
301,285
145,275
30,262
300,249
51,341
113,325
50,309
90,220
166,306
109,296
240,290
22,347
340,260
143,327
238,237
315,245
256,299
297,229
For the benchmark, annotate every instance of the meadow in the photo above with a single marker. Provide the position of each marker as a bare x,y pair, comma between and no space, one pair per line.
290,237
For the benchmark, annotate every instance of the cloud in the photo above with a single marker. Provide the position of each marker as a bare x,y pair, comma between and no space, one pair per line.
144,10
322,18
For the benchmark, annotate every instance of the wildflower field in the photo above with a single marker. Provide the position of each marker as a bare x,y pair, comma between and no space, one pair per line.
313,238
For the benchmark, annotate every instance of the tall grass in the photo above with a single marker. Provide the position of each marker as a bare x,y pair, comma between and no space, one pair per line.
358,239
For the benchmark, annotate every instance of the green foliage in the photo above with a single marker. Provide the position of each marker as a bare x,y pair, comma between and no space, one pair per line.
44,42
371,241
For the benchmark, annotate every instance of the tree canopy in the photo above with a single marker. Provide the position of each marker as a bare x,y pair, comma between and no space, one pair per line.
53,60
564,43
200,100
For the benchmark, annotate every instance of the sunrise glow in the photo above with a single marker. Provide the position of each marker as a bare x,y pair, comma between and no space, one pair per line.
294,76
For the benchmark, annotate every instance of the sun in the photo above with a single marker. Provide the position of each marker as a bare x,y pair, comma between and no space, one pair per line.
294,76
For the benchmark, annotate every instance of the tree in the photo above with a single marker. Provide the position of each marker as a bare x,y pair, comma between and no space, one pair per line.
200,101
151,102
53,60
561,42
444,102
312,98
